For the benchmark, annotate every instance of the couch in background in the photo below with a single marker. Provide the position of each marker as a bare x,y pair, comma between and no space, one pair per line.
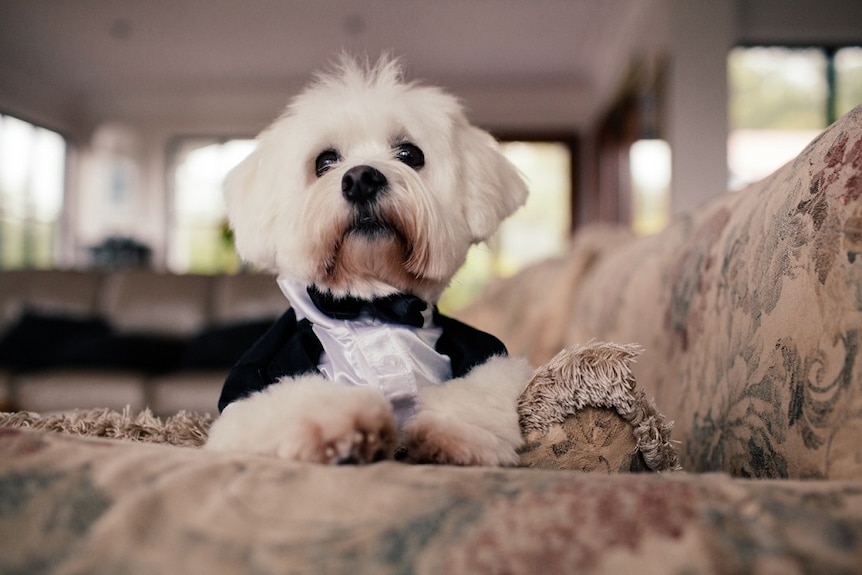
81,339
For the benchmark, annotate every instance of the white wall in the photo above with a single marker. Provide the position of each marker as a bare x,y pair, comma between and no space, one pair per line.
702,32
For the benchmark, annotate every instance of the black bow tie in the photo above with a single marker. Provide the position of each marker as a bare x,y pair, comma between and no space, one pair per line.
396,308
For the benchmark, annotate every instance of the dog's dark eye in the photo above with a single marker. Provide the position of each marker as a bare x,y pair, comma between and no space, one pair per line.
410,155
325,160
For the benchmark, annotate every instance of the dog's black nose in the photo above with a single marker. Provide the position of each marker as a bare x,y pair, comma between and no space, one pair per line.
361,184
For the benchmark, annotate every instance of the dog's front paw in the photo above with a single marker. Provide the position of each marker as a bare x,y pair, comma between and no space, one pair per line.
432,437
471,420
361,434
309,419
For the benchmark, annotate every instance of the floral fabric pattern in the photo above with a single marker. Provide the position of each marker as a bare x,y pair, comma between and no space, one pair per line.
750,312
80,505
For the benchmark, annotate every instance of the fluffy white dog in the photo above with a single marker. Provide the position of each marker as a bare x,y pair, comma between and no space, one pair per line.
364,197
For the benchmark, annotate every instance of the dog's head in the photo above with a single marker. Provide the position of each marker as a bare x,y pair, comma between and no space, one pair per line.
368,185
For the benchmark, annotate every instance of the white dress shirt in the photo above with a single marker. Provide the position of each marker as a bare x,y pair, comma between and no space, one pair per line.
393,358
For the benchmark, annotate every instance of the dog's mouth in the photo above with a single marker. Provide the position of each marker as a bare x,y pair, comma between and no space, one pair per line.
368,224
369,244
375,244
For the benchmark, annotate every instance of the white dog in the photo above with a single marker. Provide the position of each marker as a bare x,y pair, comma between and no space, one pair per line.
364,198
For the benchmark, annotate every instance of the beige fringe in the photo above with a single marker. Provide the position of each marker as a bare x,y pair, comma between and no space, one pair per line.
183,429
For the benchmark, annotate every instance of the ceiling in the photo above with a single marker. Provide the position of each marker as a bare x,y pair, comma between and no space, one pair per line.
77,63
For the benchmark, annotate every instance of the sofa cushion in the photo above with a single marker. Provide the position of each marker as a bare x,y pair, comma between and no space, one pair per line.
750,310
84,505
45,340
219,347
538,300
142,301
68,389
195,391
241,297
57,292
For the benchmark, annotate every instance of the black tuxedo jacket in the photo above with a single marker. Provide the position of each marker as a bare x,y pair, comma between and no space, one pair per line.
289,348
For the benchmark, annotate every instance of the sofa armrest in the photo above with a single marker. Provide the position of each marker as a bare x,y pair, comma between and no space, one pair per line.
750,310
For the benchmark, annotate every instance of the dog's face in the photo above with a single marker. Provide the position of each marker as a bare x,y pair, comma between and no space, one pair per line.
368,185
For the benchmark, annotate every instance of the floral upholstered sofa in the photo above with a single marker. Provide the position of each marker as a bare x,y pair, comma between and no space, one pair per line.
750,312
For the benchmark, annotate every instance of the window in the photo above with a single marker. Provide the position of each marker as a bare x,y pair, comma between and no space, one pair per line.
200,241
650,167
538,230
32,178
780,99
848,79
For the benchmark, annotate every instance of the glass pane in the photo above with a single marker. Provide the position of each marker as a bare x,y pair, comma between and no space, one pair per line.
32,181
848,79
49,153
200,240
538,230
777,105
16,148
541,228
777,88
650,162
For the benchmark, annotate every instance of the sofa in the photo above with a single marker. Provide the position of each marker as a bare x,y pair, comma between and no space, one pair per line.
749,311
122,337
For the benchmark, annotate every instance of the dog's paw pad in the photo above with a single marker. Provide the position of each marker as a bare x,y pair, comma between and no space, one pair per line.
360,446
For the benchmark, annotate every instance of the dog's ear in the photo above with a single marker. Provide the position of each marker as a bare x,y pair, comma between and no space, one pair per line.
494,188
251,218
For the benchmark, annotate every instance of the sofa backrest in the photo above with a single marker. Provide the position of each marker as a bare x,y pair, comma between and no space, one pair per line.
749,309
240,297
141,301
138,301
62,292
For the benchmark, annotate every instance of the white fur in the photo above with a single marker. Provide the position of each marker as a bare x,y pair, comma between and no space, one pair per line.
288,220
308,419
471,420
279,210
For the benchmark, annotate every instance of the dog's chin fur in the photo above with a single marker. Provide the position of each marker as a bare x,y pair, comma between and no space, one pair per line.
367,263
